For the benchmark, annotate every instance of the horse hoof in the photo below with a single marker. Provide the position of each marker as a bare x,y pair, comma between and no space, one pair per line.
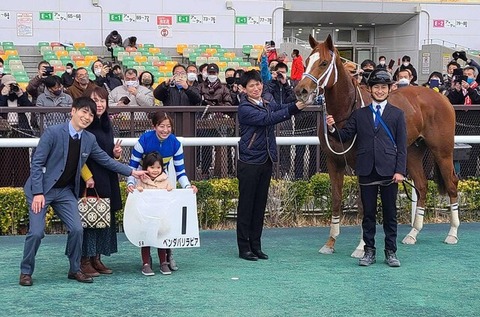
326,250
358,253
451,240
409,240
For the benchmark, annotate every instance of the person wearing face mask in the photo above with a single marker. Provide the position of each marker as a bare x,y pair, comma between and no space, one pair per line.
448,76
382,63
131,93
176,91
104,76
366,68
192,75
230,81
81,83
404,78
202,73
146,79
213,93
466,90
13,160
68,76
435,82
407,65
54,97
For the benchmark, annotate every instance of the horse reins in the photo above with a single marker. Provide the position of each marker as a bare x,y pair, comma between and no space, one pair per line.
405,182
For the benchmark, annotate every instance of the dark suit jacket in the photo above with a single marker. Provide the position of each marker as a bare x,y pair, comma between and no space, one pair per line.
375,149
50,157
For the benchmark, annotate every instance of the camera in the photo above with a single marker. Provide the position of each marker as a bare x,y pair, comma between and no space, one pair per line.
14,88
108,64
125,100
279,76
48,70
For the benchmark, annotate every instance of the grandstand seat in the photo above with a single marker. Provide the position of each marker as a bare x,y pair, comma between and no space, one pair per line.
213,59
58,48
215,46
199,51
66,59
153,58
147,63
229,55
162,79
8,43
158,63
116,50
130,49
224,59
258,47
55,62
71,53
203,46
164,58
142,49
70,48
245,64
81,63
192,57
201,60
11,52
78,58
61,53
121,55
154,50
233,65
127,58
149,45
78,45
255,53
156,74
59,68
43,49
187,51
135,53
85,51
194,46
237,59
164,69
131,64
171,63
16,67
246,49
211,51
22,79
91,58
221,76
91,76
222,65
140,58
139,69
151,68
181,47
14,62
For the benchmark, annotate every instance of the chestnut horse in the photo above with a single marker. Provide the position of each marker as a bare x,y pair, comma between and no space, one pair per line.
430,124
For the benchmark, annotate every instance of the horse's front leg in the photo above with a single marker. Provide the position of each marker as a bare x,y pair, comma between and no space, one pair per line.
336,174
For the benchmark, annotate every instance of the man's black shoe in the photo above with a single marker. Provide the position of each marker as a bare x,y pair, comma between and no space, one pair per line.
391,259
368,257
249,256
260,254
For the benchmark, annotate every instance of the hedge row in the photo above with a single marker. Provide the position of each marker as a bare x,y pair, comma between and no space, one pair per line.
290,203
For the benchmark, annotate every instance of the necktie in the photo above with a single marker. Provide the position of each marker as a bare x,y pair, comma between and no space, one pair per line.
75,136
377,116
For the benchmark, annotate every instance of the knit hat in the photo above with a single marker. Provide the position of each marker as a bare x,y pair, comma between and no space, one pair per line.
8,79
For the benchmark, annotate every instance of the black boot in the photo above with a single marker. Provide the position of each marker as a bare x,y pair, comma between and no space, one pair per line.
391,259
368,257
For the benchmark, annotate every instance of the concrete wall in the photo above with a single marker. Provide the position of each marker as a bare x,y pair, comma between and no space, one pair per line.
90,30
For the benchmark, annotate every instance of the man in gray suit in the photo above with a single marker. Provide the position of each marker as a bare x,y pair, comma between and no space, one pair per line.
55,181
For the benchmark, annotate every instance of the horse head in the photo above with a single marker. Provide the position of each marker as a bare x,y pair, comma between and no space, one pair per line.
321,72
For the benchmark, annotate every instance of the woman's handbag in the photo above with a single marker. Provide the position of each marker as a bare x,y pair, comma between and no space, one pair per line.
94,211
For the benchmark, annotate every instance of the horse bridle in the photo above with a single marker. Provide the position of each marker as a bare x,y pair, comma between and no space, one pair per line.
320,98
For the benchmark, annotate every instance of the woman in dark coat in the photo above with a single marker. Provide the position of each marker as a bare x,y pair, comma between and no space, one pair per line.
101,241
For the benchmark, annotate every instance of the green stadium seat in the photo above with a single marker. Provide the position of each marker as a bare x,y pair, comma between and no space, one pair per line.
147,46
142,50
22,79
203,46
237,59
127,58
130,64
8,44
43,44
245,64
246,49
217,46
117,49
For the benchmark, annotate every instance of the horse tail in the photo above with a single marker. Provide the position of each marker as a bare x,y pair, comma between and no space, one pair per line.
438,178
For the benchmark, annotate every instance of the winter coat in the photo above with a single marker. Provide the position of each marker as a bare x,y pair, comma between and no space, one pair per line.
172,96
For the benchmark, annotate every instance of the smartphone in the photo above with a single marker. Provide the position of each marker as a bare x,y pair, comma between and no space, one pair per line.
125,100
391,63
434,83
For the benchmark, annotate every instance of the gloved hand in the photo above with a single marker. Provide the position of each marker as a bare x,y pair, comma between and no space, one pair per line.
456,55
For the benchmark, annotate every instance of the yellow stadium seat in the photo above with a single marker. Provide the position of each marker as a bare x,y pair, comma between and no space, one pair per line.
11,52
23,86
211,51
163,69
180,48
81,63
140,59
229,55
61,53
162,79
222,65
171,63
78,45
154,50
91,58
258,46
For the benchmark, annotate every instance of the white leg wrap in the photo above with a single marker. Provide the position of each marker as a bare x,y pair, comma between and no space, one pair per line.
335,227
452,237
418,222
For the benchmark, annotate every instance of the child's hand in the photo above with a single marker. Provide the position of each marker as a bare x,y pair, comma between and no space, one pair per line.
130,188
140,188
169,188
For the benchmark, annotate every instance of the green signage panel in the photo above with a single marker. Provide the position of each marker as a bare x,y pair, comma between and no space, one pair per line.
183,19
46,16
240,20
116,17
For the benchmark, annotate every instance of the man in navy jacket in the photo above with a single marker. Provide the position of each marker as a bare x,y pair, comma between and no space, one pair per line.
381,158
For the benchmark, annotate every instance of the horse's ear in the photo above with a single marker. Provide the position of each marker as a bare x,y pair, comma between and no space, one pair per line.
312,41
329,43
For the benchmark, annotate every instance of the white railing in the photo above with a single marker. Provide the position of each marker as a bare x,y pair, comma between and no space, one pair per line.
195,141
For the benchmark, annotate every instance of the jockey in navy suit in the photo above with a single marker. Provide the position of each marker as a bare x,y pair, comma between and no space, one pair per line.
380,163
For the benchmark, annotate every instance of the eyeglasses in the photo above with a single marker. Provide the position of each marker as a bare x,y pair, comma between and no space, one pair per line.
180,73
